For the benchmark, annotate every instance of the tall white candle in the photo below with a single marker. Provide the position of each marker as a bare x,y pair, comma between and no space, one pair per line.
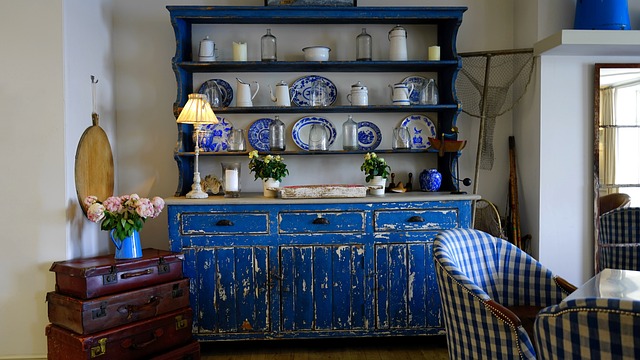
434,52
239,51
231,180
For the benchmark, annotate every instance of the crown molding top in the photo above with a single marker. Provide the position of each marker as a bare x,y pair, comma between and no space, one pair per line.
590,43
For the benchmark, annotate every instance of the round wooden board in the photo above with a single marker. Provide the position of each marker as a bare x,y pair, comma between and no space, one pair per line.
94,165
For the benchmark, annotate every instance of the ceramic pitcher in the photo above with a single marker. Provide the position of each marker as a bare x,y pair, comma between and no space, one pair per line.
401,93
243,93
281,97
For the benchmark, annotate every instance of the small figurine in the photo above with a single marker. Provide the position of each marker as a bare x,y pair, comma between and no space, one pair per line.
400,188
409,184
392,184
211,184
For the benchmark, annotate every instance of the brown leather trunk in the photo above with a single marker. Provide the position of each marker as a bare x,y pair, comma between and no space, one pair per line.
103,275
190,351
101,313
139,340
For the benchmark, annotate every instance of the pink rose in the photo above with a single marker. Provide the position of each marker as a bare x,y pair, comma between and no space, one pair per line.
158,205
95,212
144,208
90,200
113,204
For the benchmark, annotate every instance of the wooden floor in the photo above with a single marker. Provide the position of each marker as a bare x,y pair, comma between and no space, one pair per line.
430,347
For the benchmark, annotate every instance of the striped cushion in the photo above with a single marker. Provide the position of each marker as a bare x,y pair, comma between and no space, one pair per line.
472,268
589,329
619,240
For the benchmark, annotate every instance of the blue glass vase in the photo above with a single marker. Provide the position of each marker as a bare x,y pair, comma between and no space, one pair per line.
430,180
127,248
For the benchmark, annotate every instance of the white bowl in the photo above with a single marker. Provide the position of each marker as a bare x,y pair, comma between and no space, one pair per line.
316,53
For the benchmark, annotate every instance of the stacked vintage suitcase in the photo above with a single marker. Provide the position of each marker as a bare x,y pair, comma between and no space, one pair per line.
121,309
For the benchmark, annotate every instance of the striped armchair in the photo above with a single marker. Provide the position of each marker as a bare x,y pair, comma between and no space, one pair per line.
488,288
619,240
589,329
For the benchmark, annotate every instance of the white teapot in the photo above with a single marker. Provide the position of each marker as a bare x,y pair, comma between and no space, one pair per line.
401,93
281,97
243,93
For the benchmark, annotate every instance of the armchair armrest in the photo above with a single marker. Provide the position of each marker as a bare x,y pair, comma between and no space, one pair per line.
564,285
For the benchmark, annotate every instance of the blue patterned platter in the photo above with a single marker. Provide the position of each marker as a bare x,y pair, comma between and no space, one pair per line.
418,83
369,136
226,92
300,90
213,137
259,134
300,131
420,128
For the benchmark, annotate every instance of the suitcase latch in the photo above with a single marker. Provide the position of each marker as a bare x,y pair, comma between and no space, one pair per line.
163,266
111,277
177,291
181,322
101,312
101,349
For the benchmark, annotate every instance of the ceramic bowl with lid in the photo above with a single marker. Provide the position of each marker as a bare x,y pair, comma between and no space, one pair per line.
316,53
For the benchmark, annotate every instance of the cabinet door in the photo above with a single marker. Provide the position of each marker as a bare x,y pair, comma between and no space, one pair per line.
406,295
232,289
322,287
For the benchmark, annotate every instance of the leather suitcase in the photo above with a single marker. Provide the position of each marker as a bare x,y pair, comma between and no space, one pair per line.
103,275
93,315
190,351
139,340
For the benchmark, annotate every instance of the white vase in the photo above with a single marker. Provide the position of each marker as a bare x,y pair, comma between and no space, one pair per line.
377,181
267,184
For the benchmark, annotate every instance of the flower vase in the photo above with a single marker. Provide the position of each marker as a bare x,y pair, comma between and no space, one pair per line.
430,180
379,182
127,248
267,185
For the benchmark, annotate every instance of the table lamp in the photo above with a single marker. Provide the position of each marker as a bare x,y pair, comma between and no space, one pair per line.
197,111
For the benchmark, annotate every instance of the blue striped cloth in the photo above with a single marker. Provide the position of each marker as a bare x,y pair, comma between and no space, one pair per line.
619,240
472,268
589,329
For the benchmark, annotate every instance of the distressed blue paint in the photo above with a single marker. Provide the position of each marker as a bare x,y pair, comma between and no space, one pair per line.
224,223
418,256
334,222
410,220
225,293
303,308
322,287
357,289
207,301
398,286
341,287
432,299
382,286
286,290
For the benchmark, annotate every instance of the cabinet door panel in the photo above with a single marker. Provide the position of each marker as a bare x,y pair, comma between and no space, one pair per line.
233,282
322,287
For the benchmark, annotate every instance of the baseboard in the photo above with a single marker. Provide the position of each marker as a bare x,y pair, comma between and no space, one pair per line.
24,357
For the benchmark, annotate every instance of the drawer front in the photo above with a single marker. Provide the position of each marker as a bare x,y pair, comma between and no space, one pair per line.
415,220
304,222
245,223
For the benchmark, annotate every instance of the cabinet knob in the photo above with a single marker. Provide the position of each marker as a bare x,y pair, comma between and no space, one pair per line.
416,218
321,221
224,222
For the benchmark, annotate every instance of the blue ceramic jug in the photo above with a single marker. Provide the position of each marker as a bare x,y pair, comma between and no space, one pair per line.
602,15
128,248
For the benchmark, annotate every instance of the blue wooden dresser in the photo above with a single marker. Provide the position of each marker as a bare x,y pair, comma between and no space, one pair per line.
277,268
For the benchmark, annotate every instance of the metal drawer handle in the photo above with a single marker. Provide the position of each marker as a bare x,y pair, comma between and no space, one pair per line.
224,222
416,218
321,221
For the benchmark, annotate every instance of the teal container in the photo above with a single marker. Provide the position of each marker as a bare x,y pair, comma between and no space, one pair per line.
602,15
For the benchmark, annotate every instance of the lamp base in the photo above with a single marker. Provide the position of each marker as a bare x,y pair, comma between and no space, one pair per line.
197,194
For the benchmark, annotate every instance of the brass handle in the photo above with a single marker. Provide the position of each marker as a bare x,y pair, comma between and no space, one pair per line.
321,221
416,218
224,222
130,310
139,273
128,343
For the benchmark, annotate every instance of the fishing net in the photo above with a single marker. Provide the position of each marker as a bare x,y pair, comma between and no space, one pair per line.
489,85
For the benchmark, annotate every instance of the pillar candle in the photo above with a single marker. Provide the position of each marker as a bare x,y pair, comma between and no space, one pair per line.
434,52
239,51
231,180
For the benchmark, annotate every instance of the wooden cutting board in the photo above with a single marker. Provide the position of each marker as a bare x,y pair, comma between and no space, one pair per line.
94,164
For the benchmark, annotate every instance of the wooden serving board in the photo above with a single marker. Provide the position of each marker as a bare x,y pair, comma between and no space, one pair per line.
94,164
323,191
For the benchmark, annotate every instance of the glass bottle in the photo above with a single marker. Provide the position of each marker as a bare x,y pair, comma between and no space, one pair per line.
350,134
276,135
363,46
268,47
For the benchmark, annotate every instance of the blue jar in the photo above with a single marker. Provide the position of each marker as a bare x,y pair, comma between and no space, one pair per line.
430,180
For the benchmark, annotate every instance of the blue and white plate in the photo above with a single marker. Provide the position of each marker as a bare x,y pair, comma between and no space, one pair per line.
226,93
418,83
420,128
259,134
300,90
369,136
213,137
300,131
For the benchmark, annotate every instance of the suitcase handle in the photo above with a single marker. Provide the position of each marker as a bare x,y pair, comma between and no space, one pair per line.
129,344
130,310
139,273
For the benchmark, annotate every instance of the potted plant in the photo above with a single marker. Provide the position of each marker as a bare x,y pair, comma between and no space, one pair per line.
123,216
271,169
377,171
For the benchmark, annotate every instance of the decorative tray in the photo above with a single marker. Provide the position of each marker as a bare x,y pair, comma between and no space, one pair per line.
322,191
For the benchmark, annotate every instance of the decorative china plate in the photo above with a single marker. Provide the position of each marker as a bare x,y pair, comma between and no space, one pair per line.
213,137
259,134
226,93
418,83
369,136
300,132
300,90
421,129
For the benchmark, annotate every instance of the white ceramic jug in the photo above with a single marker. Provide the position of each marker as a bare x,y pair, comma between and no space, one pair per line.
398,46
207,50
359,95
281,97
243,93
401,93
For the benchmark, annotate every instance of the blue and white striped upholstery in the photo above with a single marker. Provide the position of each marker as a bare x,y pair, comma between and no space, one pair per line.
479,276
619,240
589,329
